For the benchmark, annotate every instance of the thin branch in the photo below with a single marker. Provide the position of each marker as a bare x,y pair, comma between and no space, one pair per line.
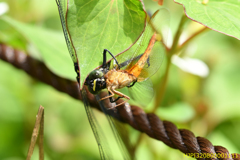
177,36
35,132
41,137
162,88
174,49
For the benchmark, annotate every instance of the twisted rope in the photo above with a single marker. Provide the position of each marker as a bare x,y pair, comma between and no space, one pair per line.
149,123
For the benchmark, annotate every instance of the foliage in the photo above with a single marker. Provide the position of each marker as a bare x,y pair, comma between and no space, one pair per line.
219,15
98,25
206,104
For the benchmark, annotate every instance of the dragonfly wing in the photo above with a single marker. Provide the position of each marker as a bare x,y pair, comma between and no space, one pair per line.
123,133
105,152
142,92
137,49
158,23
114,113
153,63
161,24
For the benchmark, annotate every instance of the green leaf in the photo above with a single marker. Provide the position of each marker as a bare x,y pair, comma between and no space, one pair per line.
226,133
9,35
220,15
176,111
97,25
51,46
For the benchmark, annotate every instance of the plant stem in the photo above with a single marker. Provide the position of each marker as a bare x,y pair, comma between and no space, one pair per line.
191,38
177,36
37,127
162,87
41,137
140,137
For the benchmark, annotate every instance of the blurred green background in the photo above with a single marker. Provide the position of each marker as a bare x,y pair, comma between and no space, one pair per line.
208,105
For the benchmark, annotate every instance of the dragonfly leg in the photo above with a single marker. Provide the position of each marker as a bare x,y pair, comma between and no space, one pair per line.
121,95
122,103
132,84
148,62
104,65
112,101
112,94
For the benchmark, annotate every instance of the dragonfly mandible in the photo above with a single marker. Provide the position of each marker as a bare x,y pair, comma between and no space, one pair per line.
135,67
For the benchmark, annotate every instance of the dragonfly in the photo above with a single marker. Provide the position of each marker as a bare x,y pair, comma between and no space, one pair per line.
133,67
103,146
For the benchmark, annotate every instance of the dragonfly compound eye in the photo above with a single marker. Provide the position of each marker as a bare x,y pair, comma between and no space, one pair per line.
95,74
96,85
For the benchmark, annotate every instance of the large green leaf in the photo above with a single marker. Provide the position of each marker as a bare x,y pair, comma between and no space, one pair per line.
97,25
220,15
51,47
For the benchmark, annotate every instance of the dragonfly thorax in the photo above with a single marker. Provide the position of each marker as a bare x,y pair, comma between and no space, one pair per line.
118,79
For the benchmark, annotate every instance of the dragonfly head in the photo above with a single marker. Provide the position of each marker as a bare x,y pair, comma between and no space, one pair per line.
95,81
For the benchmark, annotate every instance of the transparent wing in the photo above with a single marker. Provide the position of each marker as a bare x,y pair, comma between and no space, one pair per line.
125,137
105,152
159,23
134,51
62,13
153,63
142,92
114,113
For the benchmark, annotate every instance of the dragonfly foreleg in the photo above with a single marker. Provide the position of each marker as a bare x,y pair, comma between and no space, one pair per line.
110,96
104,65
113,92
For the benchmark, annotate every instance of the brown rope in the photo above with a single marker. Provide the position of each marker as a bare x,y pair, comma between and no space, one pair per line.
149,123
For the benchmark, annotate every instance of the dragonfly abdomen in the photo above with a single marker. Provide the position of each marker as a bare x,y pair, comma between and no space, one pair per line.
137,68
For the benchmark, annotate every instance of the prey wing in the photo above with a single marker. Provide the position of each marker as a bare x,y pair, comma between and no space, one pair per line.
142,92
159,24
